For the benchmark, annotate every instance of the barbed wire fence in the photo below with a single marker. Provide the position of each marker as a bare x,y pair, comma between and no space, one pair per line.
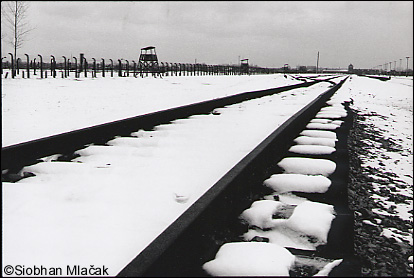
77,67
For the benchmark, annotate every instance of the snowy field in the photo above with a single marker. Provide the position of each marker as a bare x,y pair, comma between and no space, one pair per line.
35,108
93,206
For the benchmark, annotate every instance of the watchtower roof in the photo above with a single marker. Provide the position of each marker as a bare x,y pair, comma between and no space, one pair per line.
148,48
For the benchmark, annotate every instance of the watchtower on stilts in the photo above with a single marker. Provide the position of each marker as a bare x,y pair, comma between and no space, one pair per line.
244,66
148,62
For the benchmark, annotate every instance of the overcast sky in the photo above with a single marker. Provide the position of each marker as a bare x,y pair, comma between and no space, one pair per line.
269,33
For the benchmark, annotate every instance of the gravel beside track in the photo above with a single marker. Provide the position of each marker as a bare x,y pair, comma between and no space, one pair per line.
379,255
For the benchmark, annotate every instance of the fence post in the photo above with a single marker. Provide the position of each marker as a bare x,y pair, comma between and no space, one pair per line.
166,69
76,67
85,66
41,65
112,67
69,67
17,65
103,67
127,68
119,68
52,66
65,67
34,66
94,68
13,73
27,65
135,68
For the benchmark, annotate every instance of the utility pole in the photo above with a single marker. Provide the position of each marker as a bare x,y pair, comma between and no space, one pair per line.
406,72
317,63
400,67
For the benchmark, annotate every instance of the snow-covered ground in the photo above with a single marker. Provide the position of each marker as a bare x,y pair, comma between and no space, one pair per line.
112,201
35,108
109,207
389,110
385,113
381,188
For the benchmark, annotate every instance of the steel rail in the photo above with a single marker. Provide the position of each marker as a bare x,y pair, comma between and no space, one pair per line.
382,78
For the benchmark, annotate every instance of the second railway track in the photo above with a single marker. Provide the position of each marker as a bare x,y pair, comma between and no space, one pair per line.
14,157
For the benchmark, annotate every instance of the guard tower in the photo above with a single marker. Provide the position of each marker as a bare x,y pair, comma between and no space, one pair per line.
351,68
244,66
148,62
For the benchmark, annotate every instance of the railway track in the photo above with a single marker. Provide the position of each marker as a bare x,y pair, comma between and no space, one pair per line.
382,78
196,236
14,157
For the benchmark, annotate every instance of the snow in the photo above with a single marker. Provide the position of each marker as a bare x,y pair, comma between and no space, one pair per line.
308,140
250,259
307,166
337,122
336,109
35,108
388,110
306,228
312,149
322,126
319,133
91,209
398,235
312,218
287,198
328,268
322,121
260,213
331,115
282,183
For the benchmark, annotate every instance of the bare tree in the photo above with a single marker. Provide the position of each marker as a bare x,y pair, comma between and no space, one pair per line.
14,14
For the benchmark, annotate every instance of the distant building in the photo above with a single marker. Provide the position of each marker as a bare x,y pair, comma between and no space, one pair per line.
311,68
302,69
350,68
